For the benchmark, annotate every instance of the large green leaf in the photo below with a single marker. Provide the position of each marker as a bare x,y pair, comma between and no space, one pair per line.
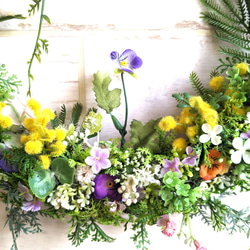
106,99
63,171
42,183
144,135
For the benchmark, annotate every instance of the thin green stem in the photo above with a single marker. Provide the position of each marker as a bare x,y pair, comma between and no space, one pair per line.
35,49
124,131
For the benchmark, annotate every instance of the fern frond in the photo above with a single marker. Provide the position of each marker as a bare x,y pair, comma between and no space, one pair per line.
76,114
233,52
214,73
197,85
215,8
62,115
243,10
55,122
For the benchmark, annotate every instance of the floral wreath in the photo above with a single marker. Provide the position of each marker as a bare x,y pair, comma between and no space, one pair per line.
182,164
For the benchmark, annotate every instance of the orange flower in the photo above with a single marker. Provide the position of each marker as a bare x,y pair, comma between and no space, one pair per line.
213,168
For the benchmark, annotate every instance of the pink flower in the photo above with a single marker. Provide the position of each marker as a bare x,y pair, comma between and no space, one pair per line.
98,159
199,246
168,226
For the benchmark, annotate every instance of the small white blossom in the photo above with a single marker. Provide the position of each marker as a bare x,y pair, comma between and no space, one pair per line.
243,150
211,134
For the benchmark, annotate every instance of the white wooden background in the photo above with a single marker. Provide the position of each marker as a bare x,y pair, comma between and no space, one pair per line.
171,39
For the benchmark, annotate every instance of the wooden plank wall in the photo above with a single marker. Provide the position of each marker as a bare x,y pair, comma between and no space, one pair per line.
168,35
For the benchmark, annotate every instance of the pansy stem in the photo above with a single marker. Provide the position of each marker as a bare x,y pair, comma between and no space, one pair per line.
124,131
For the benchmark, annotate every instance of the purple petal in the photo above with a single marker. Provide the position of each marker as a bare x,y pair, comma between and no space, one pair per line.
189,150
136,63
5,165
245,135
23,189
114,55
106,187
31,206
191,161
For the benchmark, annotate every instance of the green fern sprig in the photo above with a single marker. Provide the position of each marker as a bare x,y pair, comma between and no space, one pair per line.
231,22
76,114
198,86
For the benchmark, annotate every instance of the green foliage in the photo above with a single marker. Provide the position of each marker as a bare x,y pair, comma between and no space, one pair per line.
198,86
76,114
178,196
6,18
182,99
8,85
106,99
62,170
231,22
60,119
18,220
41,183
144,135
82,229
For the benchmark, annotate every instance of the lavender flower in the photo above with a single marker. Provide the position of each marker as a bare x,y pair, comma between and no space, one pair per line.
127,61
105,186
30,204
192,156
171,166
245,135
5,165
98,159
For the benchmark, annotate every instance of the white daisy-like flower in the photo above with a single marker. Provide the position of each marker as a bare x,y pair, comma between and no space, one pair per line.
243,150
211,133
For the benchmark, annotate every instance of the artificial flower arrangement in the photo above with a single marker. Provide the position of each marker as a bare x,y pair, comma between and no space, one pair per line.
180,164
173,165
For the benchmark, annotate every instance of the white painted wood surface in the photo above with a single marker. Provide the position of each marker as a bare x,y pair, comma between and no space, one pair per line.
172,41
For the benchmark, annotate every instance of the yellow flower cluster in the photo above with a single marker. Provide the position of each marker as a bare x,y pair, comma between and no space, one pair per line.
243,67
209,114
167,123
216,82
5,121
179,144
40,140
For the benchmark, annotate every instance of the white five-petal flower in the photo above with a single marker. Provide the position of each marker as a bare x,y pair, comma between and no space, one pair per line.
211,133
243,150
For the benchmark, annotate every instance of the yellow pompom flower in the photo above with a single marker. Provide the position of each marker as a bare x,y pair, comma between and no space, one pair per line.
57,148
216,82
34,105
45,161
60,134
191,131
33,147
179,144
49,135
24,139
167,123
5,121
210,116
242,67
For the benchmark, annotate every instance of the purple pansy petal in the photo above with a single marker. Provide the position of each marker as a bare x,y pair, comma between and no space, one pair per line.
114,55
106,187
136,63
191,159
189,150
4,165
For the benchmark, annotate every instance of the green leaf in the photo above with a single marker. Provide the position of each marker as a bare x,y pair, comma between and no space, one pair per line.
63,171
106,99
76,113
46,18
144,135
116,123
41,183
182,105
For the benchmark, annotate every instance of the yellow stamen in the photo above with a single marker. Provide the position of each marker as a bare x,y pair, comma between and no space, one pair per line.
124,64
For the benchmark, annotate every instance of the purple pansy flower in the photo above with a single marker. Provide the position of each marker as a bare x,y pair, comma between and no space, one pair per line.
245,135
105,186
192,156
171,166
30,204
6,166
127,61
98,159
